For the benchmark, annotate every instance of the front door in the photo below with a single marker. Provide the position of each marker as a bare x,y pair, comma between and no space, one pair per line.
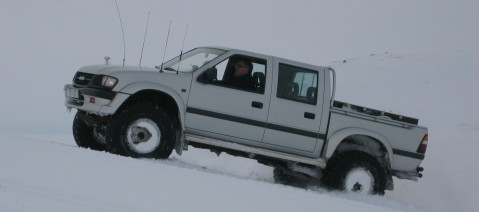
231,111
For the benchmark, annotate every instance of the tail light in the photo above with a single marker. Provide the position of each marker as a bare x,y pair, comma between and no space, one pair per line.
422,148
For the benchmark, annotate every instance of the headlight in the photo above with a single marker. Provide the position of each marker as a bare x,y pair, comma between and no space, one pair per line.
109,82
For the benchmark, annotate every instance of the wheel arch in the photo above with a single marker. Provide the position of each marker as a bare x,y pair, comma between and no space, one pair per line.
159,95
359,137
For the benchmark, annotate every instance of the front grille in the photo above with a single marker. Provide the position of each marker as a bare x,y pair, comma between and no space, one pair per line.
82,78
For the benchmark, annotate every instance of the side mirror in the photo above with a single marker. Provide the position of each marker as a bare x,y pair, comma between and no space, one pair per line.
209,76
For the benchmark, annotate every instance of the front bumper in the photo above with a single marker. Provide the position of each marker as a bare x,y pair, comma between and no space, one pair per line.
98,101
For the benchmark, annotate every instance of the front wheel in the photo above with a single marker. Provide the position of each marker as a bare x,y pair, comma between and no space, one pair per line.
141,131
355,172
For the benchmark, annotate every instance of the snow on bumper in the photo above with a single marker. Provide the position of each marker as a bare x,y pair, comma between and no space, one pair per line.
103,102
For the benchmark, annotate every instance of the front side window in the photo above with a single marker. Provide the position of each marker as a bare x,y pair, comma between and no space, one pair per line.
297,84
192,60
242,72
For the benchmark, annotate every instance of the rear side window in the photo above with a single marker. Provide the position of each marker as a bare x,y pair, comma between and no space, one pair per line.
297,84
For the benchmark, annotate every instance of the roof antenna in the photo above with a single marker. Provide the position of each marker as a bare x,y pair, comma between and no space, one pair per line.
164,52
122,31
144,38
181,53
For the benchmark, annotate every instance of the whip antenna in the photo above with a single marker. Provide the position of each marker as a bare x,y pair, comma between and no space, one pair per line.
181,53
164,52
144,38
122,31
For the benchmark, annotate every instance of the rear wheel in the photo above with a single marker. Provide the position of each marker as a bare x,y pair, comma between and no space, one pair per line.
282,178
86,136
141,131
355,172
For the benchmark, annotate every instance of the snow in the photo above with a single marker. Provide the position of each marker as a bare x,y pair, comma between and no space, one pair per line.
413,58
45,175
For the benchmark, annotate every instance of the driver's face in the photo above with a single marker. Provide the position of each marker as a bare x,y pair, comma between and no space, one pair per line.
241,69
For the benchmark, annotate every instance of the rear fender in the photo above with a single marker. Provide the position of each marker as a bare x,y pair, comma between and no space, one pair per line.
339,136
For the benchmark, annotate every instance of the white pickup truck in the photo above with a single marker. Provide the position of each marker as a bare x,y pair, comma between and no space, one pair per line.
285,116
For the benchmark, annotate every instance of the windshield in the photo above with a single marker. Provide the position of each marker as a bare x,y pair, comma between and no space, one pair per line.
192,60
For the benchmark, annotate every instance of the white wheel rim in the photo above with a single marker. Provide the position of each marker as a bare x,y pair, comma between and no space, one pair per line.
143,136
359,180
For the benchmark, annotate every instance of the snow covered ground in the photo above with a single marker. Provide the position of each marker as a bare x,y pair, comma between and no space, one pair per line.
47,175
414,58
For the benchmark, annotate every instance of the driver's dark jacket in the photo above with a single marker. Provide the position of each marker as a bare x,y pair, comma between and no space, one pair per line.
245,82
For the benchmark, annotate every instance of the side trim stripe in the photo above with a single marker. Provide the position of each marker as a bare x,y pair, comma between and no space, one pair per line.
225,117
408,154
295,131
255,123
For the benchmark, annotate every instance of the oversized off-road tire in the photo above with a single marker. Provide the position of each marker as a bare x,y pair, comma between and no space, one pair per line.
355,172
141,131
86,136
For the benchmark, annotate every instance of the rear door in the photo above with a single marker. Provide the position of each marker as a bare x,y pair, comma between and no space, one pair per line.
296,108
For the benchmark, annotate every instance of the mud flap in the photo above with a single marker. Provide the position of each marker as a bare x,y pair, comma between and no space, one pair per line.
389,183
180,143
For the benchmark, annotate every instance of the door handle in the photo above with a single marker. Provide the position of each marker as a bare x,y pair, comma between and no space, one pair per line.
257,104
309,115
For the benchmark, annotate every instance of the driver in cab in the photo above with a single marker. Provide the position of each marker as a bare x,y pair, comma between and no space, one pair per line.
242,76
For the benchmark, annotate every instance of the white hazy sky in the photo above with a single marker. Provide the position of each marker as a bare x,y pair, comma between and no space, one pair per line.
43,43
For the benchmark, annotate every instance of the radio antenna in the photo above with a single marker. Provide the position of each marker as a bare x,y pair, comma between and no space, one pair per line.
122,31
144,38
164,52
181,53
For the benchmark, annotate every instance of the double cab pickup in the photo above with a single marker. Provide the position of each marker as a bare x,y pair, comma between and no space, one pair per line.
279,112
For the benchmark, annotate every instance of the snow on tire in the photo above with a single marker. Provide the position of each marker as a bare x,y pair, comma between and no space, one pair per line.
141,131
355,172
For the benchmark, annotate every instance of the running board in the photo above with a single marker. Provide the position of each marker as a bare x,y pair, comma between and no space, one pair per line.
255,150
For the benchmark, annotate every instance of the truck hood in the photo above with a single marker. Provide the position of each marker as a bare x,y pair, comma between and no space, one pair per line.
109,69
129,75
